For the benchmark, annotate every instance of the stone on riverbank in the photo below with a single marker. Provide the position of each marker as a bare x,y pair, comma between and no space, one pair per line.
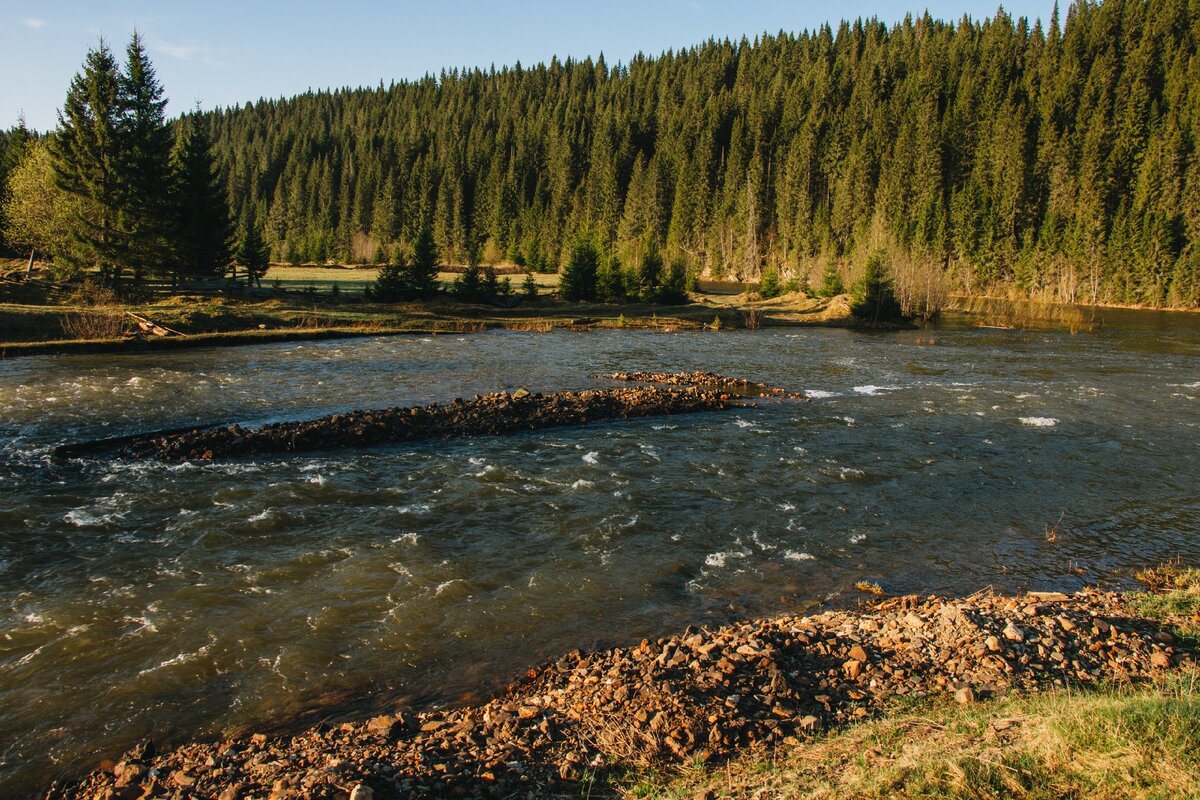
695,696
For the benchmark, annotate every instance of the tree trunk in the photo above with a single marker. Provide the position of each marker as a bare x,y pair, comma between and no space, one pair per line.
29,266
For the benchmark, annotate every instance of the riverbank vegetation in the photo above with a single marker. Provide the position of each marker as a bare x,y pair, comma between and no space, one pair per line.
1109,743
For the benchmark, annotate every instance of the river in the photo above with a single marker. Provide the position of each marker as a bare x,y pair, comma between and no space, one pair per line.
181,601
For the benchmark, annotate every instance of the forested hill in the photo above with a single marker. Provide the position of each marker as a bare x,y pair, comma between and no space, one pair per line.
1061,159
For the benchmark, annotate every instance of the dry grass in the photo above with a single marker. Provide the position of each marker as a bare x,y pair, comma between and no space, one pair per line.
1114,743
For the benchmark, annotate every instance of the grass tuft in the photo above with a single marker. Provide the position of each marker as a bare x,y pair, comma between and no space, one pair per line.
1173,599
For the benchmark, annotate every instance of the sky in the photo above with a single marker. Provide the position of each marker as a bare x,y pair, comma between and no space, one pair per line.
217,53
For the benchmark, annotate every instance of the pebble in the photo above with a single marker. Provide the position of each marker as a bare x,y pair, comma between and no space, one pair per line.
489,414
682,699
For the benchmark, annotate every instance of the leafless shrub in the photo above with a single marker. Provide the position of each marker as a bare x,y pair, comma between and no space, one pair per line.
920,284
97,324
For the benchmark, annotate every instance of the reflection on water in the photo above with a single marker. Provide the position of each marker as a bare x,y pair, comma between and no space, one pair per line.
141,599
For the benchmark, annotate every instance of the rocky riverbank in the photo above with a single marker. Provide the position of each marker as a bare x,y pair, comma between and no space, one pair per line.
698,695
489,414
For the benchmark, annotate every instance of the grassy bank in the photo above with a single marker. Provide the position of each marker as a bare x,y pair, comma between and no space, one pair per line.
214,320
1111,742
1108,741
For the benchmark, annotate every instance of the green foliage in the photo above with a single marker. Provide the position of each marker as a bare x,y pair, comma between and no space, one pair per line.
831,281
424,269
1062,162
529,287
391,284
469,285
769,286
202,226
13,145
579,276
134,204
610,282
252,255
37,214
90,157
674,288
148,209
872,297
649,277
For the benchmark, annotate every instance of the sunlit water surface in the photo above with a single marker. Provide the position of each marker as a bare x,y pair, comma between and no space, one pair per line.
143,600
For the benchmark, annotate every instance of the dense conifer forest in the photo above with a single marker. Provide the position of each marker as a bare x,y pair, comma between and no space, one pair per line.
1059,160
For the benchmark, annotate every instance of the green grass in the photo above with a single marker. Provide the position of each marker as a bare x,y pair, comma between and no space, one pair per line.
1141,743
1174,599
355,279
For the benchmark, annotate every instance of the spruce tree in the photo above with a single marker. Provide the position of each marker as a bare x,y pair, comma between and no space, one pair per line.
202,226
529,287
768,285
578,281
650,271
145,174
831,281
469,285
423,272
872,298
253,255
90,162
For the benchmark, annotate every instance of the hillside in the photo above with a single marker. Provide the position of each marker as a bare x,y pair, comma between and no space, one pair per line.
1054,160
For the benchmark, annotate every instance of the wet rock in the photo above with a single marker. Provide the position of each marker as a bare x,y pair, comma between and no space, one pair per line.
490,414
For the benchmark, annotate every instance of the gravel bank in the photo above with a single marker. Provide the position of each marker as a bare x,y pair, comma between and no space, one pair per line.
489,414
701,694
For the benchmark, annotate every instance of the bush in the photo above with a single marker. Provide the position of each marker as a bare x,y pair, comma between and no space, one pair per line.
391,285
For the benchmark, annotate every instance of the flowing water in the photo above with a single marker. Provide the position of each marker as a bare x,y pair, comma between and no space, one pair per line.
180,601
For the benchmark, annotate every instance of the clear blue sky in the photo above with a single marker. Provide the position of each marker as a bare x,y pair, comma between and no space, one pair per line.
223,52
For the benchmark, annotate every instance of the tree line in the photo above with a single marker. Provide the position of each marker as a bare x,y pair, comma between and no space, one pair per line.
117,187
994,155
1058,159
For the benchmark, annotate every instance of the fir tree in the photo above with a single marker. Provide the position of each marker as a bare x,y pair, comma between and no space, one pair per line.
89,163
423,277
145,167
468,287
529,287
650,272
769,285
202,229
872,297
578,281
253,255
831,281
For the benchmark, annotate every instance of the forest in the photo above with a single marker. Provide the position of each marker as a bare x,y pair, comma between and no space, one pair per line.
1057,160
